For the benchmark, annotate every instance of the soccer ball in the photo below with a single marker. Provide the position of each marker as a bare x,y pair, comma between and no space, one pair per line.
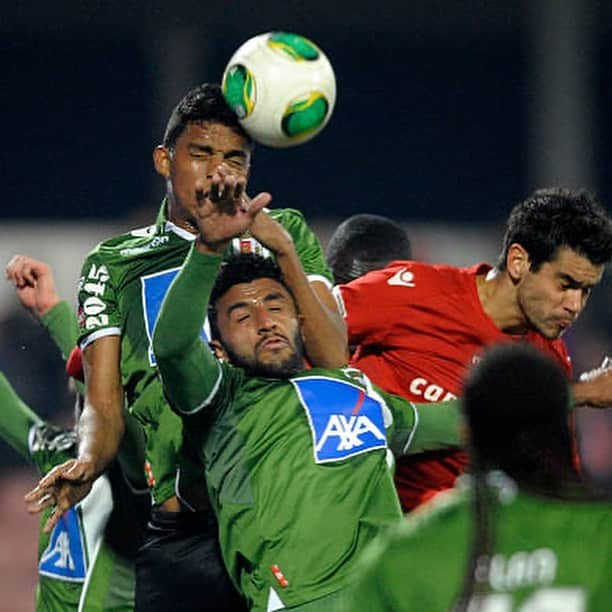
282,87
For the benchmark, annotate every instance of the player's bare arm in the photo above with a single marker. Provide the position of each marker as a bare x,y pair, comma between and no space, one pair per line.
596,391
100,430
323,328
34,284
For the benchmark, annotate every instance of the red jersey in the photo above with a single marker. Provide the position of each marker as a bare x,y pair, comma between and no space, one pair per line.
417,328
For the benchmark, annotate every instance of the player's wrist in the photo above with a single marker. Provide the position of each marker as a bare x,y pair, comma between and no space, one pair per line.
210,247
44,306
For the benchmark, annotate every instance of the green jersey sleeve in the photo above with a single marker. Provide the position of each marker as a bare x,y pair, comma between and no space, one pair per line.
417,428
98,310
16,419
190,373
307,245
63,327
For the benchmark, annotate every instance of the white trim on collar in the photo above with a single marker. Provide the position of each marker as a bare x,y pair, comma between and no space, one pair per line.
180,232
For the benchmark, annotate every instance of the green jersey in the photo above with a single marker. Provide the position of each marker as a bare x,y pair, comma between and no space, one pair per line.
123,283
87,561
298,469
547,554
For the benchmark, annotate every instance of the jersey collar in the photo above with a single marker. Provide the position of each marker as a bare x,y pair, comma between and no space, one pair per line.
164,225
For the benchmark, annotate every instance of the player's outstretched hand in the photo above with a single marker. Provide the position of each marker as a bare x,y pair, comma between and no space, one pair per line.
63,487
271,233
224,211
34,284
595,387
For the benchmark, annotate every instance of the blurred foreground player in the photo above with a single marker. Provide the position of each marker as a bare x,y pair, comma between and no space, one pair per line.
418,327
522,532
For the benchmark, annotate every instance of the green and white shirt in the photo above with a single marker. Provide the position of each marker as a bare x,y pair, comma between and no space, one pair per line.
123,283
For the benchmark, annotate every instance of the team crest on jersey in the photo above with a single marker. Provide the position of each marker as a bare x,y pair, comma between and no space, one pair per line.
344,420
64,557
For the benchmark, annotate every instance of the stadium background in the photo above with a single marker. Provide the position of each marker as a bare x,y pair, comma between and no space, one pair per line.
446,116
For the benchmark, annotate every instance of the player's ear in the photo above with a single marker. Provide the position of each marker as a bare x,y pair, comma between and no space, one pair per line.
517,262
218,350
161,159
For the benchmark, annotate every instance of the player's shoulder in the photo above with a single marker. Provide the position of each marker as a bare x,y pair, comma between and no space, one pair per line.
416,275
287,215
133,243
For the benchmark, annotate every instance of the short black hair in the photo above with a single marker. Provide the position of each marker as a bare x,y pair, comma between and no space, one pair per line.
205,102
553,218
363,243
240,268
516,403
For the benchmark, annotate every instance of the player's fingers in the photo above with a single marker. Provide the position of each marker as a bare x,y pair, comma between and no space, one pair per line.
260,201
215,188
60,471
239,190
53,520
38,503
28,275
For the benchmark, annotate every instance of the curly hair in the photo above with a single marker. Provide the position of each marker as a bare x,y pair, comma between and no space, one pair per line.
240,268
553,218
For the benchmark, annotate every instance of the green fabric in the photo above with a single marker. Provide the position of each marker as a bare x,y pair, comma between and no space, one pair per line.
439,426
16,419
541,546
277,502
110,584
122,285
63,327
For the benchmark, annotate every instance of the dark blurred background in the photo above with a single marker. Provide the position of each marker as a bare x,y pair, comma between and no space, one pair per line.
447,114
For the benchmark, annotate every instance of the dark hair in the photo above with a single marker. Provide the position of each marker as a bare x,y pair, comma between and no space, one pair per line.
516,404
552,218
202,103
240,268
363,243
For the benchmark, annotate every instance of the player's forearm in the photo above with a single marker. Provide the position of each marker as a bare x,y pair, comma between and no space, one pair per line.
438,427
60,321
100,430
324,331
16,419
188,369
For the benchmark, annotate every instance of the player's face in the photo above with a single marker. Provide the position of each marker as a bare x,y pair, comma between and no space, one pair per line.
259,328
196,157
552,298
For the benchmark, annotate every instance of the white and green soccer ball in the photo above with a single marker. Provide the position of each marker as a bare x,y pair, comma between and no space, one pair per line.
282,87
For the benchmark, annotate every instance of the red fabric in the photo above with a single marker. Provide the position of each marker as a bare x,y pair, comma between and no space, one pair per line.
418,327
74,364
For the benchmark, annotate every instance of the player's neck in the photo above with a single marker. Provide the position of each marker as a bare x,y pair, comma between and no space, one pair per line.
181,218
498,298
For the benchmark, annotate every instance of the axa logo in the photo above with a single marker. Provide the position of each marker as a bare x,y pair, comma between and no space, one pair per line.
348,433
64,558
402,278
344,419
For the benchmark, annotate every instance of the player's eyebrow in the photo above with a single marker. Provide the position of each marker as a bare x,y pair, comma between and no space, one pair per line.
269,297
572,282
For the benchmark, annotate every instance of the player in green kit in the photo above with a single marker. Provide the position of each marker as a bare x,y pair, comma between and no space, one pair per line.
298,461
87,561
121,290
522,533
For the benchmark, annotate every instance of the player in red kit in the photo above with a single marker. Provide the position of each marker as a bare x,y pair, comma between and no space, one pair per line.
417,327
